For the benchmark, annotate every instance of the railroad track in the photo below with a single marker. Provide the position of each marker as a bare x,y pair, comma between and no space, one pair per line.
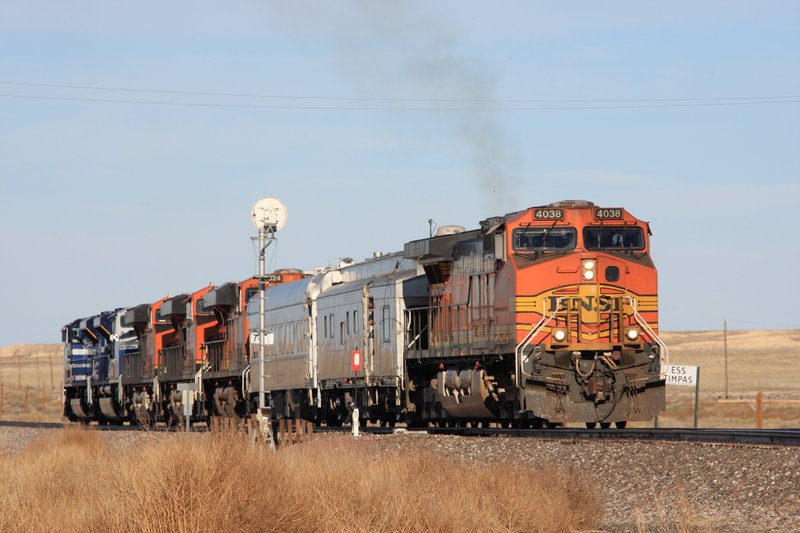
777,437
110,427
774,437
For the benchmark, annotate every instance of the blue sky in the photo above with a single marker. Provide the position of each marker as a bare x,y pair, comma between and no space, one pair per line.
114,204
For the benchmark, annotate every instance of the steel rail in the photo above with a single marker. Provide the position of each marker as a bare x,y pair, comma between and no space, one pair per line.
773,437
768,437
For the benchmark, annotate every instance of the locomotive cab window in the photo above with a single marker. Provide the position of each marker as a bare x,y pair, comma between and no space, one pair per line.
545,238
613,238
252,291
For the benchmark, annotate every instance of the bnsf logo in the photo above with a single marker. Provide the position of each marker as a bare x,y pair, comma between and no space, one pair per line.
587,303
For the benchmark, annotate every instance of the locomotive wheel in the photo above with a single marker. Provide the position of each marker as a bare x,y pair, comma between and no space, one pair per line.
622,424
591,425
605,425
332,420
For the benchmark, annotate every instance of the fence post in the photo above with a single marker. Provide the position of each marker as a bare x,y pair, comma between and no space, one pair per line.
759,409
44,399
2,394
25,402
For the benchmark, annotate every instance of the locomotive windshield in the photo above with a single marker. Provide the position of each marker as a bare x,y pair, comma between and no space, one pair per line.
613,238
548,238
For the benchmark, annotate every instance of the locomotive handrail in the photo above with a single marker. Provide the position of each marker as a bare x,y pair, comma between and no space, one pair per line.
663,354
410,344
531,334
246,382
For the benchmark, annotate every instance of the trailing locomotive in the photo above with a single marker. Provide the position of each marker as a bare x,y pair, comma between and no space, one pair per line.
94,350
540,317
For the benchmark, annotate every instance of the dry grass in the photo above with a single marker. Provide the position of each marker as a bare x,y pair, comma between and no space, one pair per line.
758,360
29,374
72,481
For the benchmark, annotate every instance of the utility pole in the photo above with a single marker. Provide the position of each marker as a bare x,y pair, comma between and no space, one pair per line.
725,344
262,315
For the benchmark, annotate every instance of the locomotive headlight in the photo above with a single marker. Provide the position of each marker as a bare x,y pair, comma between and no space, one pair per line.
632,334
559,335
588,270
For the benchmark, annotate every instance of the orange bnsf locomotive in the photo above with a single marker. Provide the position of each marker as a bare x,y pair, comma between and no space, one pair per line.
543,316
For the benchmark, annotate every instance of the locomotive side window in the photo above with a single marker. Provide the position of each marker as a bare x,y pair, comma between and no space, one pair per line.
613,238
564,238
386,316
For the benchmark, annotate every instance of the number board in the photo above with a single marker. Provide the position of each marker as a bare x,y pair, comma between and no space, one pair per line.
602,213
272,278
548,213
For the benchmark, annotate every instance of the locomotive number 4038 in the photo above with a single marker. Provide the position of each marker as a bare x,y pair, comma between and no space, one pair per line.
607,212
548,214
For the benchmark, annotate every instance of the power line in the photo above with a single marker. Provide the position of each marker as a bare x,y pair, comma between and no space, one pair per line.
784,100
386,99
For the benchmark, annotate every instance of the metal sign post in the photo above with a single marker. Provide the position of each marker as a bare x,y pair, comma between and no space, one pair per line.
187,391
356,361
685,376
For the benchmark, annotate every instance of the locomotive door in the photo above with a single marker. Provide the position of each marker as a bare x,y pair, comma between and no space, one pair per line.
368,321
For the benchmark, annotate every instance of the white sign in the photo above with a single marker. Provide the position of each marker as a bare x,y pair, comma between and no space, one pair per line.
269,338
680,375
